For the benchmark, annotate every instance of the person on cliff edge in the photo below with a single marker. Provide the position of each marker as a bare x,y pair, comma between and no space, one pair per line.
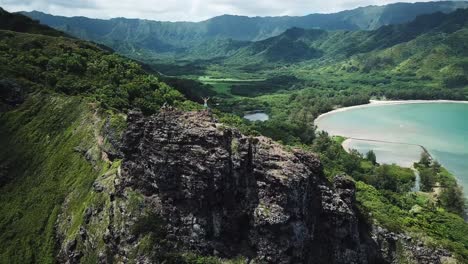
205,103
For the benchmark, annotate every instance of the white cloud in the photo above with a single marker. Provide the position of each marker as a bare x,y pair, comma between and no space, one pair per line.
185,10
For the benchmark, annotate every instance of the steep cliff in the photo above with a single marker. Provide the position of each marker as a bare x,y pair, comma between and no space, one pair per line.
217,192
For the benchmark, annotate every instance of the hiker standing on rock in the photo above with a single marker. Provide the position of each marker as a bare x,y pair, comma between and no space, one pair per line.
205,104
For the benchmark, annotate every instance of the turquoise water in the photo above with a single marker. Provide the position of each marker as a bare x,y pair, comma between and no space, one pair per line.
442,128
257,117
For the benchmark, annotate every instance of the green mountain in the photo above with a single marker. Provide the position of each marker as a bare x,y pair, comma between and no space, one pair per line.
302,73
296,45
137,37
432,48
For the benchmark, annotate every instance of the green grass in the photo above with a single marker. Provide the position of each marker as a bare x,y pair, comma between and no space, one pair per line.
367,165
339,139
51,147
39,144
222,88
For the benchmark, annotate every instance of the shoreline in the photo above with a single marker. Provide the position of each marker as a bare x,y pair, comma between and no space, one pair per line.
347,147
424,149
417,184
375,103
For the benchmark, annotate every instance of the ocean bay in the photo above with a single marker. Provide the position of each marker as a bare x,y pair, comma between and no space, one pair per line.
395,131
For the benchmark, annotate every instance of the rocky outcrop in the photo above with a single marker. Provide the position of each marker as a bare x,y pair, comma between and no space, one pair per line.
225,194
113,132
189,185
400,248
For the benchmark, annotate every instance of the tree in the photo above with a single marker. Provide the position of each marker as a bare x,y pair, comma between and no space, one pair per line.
454,81
352,161
385,180
75,64
427,180
322,142
436,167
425,159
370,156
452,199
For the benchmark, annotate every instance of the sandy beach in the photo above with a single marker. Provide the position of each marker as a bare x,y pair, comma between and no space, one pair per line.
402,154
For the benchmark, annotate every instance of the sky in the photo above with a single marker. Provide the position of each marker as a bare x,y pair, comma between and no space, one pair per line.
185,10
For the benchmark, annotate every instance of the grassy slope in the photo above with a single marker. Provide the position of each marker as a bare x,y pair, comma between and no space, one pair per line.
42,144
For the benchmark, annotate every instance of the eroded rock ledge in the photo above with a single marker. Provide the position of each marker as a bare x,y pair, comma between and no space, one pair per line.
225,194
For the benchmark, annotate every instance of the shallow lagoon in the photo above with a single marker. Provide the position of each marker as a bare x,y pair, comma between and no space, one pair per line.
442,128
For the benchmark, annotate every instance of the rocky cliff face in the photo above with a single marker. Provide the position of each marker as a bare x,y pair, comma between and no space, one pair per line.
221,193
189,187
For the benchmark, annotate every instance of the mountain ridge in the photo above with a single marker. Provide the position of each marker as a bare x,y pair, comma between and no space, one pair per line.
155,37
22,23
298,44
456,3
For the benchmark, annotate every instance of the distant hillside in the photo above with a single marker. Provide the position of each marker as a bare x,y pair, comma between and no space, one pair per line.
433,48
298,44
137,37
21,23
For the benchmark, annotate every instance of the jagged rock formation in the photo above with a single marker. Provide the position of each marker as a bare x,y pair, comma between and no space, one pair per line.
189,185
222,193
